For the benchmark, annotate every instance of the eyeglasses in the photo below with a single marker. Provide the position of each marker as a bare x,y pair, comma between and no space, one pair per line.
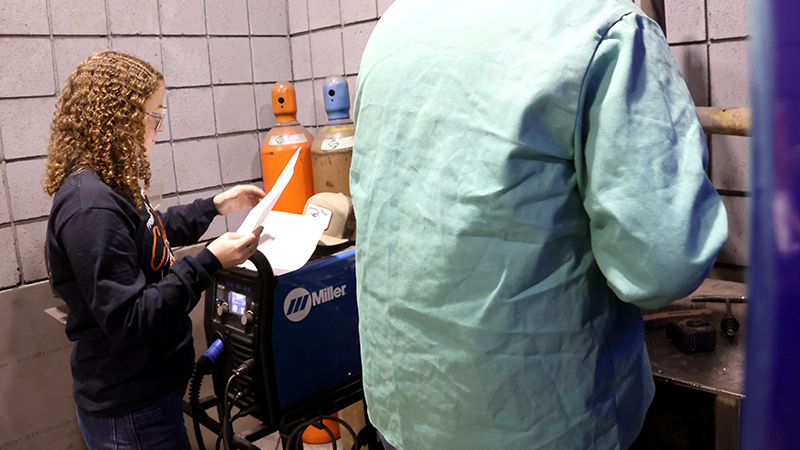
159,116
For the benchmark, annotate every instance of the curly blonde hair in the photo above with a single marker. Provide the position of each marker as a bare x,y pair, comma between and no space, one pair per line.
99,124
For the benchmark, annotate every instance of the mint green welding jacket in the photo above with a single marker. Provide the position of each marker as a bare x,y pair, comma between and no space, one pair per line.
526,175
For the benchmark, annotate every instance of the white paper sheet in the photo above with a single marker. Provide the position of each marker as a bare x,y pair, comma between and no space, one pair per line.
288,240
259,212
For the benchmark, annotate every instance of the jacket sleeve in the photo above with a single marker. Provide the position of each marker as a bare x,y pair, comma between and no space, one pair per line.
656,221
185,224
104,262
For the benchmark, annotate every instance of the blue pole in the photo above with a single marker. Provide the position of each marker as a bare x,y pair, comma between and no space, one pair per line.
771,418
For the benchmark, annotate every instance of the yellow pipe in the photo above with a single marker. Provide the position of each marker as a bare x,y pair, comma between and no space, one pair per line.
731,121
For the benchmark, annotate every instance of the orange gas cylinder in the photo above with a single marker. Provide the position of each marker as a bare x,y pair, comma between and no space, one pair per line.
314,435
285,138
333,147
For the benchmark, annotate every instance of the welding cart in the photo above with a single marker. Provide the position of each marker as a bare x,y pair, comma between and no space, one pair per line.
290,349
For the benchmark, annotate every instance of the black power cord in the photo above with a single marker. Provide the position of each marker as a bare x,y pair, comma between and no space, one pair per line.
317,422
203,366
227,423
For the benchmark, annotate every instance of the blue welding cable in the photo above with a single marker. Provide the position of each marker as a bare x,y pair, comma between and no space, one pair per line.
203,366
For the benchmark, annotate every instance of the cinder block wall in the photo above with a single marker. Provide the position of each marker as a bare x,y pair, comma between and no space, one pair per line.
220,59
709,41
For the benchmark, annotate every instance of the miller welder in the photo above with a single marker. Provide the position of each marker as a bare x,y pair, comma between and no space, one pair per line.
291,349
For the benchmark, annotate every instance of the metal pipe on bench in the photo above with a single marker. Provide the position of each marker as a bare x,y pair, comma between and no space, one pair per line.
730,121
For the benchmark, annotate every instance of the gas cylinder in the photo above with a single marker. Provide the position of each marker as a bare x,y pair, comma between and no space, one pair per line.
332,149
280,144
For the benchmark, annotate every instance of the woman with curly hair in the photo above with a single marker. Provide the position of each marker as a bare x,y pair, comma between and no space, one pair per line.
110,258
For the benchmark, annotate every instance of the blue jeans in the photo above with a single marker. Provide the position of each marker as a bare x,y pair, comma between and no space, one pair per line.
157,427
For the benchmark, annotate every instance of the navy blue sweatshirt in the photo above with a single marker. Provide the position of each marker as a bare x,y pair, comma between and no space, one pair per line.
128,298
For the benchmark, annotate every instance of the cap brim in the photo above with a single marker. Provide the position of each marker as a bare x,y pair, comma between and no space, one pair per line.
330,241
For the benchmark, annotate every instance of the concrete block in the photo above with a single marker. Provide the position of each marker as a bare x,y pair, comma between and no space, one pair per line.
730,162
235,108
168,202
268,18
28,200
383,5
298,16
30,238
166,135
262,135
730,79
133,16
686,20
25,126
162,168
354,40
227,17
306,111
319,102
323,13
27,68
230,60
182,17
196,164
70,52
272,59
301,57
218,225
240,158
358,10
736,250
24,17
351,87
5,213
145,48
727,18
236,219
9,264
264,113
83,17
326,53
186,61
693,63
191,113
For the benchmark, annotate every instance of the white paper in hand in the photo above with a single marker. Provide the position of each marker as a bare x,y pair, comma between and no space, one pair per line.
288,241
259,213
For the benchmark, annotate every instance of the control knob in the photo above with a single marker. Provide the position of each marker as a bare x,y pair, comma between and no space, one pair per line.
247,318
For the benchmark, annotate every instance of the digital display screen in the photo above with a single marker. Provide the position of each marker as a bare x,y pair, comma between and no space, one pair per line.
237,302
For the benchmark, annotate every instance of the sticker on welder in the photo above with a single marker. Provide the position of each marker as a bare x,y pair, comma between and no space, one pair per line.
336,144
285,139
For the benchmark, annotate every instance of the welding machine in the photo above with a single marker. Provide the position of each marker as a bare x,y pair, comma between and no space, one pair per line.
297,334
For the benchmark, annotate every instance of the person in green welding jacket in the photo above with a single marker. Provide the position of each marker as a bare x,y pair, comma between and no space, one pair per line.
525,177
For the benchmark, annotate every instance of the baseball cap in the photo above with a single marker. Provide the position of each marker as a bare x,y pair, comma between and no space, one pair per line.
337,210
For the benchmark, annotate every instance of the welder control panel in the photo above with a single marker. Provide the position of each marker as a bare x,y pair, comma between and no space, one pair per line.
235,301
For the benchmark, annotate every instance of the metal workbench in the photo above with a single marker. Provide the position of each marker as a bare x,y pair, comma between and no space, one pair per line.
720,372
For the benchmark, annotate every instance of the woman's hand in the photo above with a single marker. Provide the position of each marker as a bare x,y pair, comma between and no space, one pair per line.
238,198
232,249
